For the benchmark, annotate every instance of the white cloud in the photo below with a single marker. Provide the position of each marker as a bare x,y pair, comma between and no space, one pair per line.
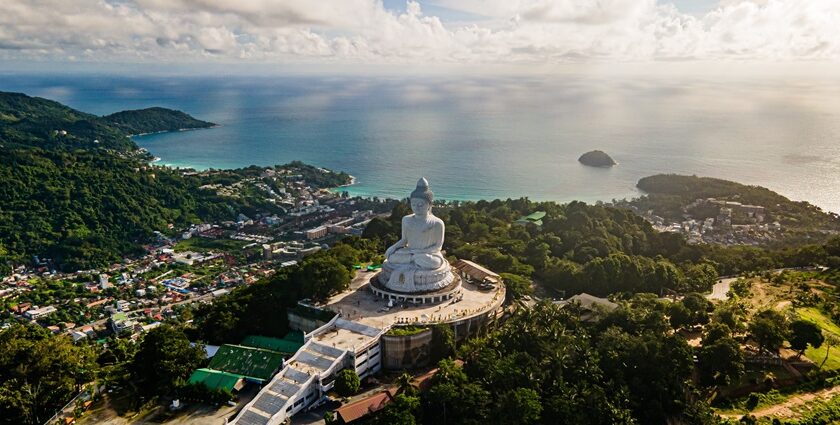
364,32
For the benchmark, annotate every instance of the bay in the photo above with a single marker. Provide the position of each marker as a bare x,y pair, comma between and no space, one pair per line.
487,137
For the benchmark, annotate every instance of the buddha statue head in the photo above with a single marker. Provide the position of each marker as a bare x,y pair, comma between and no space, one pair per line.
421,198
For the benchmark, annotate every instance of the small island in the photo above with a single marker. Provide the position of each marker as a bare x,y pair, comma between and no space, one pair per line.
597,158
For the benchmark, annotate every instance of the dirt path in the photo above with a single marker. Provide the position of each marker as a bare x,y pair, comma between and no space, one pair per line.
785,410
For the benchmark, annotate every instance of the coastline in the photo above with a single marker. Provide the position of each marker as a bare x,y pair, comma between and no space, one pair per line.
130,136
352,182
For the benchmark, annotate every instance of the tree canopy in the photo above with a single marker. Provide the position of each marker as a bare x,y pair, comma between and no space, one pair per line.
39,373
164,359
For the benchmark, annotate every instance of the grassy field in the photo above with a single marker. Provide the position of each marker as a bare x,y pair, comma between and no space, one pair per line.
813,315
207,244
817,355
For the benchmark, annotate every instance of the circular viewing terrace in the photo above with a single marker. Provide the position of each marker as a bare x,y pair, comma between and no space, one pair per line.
433,297
366,304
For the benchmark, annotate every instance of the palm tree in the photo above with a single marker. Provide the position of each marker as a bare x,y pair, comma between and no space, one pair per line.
404,385
830,341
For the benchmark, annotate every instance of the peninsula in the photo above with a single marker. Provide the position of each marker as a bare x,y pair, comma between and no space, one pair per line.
155,120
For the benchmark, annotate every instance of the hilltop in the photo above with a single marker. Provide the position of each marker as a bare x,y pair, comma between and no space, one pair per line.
37,122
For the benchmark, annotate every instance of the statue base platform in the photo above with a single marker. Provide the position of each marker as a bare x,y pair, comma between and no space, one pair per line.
429,297
407,278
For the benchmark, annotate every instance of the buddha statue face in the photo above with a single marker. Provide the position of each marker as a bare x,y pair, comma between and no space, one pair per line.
420,206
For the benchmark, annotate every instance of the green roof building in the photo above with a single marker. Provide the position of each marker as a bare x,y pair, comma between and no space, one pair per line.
288,345
216,379
535,218
255,363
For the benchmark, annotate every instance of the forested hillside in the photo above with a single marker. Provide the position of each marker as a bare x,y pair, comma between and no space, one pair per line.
75,190
589,248
152,120
86,208
37,122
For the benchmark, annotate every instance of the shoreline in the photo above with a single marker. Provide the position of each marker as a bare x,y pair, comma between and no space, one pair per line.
352,182
131,136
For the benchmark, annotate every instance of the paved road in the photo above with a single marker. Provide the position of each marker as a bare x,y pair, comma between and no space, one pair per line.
720,289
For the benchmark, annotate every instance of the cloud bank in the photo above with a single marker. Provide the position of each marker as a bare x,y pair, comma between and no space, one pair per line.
518,32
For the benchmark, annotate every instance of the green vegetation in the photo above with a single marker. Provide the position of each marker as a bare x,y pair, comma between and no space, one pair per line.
86,209
769,328
39,373
667,195
36,122
596,158
804,334
406,330
544,364
814,315
827,353
580,248
208,244
347,383
827,356
821,413
165,360
86,198
260,309
151,120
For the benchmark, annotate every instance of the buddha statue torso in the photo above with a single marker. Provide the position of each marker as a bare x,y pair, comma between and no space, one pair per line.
423,236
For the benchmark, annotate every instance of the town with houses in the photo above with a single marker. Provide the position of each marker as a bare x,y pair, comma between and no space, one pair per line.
187,266
715,221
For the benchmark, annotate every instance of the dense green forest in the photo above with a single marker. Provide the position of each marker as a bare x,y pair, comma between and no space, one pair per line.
590,248
668,194
152,120
545,365
39,373
37,122
85,209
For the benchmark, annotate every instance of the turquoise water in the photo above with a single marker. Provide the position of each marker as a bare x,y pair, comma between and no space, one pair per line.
485,138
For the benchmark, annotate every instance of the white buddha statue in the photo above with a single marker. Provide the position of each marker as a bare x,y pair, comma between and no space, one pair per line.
415,263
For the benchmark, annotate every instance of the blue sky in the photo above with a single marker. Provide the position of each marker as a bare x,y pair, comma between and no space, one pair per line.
693,6
431,7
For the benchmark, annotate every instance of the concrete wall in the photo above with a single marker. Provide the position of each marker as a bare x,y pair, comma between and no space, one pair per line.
303,324
406,352
412,351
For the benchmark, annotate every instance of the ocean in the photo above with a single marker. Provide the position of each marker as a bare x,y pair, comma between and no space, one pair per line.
490,137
